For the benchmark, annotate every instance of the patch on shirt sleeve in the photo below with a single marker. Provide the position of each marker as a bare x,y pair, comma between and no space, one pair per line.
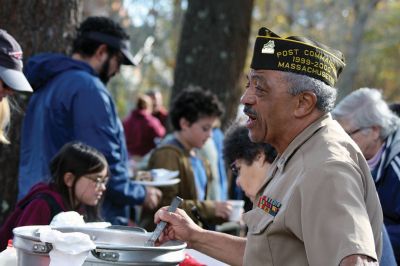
269,205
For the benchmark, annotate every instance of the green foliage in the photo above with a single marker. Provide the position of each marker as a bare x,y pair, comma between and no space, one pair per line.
331,22
154,29
379,63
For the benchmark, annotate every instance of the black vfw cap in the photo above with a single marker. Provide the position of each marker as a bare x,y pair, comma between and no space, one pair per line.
299,55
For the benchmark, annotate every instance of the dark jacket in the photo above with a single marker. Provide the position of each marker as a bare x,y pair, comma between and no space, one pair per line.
387,181
71,103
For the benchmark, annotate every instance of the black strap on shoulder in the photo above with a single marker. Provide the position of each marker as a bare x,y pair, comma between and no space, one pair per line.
55,208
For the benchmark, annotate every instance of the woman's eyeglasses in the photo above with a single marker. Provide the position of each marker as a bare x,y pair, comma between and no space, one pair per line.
351,133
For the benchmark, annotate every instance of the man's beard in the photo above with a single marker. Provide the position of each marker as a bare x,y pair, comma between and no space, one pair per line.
103,74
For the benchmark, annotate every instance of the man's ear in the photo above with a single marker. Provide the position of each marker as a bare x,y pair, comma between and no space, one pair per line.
306,103
69,179
101,52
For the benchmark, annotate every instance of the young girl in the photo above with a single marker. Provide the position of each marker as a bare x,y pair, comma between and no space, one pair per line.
79,174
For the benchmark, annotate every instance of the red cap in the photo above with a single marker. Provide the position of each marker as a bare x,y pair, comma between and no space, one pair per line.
9,244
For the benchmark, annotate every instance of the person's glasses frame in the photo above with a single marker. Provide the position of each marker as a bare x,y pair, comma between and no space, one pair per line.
234,168
355,131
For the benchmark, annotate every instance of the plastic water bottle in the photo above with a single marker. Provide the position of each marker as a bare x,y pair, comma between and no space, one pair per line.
9,256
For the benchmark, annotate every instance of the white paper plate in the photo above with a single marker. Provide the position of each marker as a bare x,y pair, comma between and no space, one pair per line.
161,174
162,183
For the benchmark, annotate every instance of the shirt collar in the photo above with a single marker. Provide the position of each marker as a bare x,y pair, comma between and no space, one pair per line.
281,160
299,140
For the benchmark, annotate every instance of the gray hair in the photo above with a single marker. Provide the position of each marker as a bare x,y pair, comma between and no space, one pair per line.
326,95
364,108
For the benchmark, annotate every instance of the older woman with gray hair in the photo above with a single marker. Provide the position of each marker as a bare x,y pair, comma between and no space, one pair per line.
367,119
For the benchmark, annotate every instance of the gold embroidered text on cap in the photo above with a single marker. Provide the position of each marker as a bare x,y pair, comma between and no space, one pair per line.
299,55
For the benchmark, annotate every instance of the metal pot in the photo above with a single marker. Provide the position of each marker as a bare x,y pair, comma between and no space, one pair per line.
114,246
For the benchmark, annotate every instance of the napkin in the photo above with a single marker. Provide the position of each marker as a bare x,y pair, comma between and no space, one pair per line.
69,249
70,218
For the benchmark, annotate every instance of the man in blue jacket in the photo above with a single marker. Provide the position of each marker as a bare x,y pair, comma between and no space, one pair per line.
71,102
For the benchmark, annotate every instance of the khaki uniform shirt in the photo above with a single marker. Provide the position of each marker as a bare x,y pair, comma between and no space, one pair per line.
318,204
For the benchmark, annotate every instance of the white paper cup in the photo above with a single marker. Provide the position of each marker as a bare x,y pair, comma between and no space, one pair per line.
237,210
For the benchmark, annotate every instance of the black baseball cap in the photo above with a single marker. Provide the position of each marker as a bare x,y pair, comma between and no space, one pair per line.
11,64
122,45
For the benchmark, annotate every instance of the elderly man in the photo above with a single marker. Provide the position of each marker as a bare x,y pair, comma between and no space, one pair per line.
318,204
366,118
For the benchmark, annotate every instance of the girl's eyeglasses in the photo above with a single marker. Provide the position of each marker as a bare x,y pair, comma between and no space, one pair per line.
99,180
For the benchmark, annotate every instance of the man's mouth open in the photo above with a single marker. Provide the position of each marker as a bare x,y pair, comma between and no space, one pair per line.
251,121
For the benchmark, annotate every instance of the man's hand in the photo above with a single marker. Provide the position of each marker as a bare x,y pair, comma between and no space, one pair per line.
153,197
223,209
179,226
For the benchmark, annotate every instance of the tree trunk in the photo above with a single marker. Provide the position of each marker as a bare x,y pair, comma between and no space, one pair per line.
362,12
212,50
38,26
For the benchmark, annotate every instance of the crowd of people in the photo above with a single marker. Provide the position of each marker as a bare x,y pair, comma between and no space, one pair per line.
321,182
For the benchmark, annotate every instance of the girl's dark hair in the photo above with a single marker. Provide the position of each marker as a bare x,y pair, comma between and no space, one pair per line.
79,159
194,103
86,46
237,145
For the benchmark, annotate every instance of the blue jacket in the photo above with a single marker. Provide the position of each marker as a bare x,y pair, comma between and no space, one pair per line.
218,137
387,181
71,103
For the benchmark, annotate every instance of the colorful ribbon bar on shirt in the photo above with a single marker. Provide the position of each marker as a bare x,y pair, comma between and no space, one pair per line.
269,205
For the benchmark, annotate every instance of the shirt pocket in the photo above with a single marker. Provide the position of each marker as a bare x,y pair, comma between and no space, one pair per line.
257,221
258,251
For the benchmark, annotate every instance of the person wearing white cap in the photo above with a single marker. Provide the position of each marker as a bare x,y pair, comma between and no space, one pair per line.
11,77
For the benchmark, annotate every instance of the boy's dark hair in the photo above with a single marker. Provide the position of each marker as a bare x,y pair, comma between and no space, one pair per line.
237,145
194,103
79,159
85,46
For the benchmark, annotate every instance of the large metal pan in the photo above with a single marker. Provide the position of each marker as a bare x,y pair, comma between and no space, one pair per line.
114,246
